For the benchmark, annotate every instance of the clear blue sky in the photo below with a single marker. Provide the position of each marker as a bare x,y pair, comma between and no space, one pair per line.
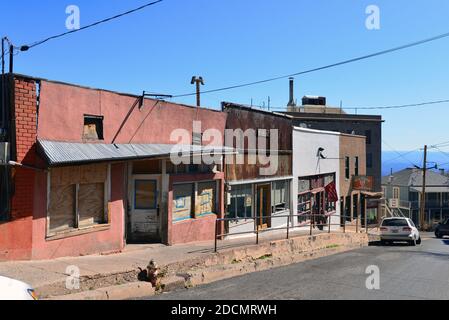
234,41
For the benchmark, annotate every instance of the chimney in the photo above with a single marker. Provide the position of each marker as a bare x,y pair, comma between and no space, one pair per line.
291,102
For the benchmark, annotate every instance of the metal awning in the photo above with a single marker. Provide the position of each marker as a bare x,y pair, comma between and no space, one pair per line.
68,153
432,189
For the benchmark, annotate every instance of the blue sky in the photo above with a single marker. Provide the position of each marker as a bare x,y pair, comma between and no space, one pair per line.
233,41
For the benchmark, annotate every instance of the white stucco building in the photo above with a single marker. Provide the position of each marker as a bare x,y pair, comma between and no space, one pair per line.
316,170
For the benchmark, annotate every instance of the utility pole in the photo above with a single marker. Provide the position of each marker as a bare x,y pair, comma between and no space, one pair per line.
11,58
423,191
199,82
3,56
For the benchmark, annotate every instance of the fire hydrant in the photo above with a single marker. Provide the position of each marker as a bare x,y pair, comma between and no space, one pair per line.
153,272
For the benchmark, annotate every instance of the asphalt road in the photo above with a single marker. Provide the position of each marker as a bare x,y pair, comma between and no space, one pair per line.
405,272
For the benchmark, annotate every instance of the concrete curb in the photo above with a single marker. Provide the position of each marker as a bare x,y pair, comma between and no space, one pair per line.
120,292
229,263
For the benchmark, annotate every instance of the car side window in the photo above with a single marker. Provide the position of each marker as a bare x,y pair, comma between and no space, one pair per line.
447,222
411,222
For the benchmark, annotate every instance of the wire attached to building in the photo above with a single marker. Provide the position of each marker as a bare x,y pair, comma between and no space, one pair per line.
333,65
37,43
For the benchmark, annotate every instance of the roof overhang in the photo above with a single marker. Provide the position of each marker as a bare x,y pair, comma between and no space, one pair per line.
71,153
432,189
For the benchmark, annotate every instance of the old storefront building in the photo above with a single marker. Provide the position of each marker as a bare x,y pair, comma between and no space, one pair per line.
259,177
316,171
90,170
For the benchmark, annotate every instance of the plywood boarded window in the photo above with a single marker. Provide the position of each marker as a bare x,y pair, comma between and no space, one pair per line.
62,207
91,204
77,197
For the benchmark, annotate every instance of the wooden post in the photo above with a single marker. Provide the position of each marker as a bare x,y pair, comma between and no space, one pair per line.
216,235
366,214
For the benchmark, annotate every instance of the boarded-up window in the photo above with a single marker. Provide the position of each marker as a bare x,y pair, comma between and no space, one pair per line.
183,196
206,198
62,207
77,197
91,204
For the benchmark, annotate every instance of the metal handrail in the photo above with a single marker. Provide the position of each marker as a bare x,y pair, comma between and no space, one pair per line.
289,217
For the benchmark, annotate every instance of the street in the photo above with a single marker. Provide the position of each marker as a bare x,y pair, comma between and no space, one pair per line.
420,272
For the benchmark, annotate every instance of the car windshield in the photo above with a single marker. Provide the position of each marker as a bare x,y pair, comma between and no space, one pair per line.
395,223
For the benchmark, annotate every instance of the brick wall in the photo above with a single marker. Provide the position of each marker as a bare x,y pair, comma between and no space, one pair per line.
25,108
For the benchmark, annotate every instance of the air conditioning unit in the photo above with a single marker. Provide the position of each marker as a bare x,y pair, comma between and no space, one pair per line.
4,153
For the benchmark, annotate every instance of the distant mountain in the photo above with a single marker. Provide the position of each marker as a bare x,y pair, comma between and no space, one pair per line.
393,161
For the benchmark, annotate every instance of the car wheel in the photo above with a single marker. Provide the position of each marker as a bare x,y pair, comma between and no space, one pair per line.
418,242
438,235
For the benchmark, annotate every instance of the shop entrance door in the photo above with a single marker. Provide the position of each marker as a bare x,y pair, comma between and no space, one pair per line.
144,213
263,201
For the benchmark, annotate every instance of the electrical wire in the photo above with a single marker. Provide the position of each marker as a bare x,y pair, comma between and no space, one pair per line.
400,154
368,56
37,43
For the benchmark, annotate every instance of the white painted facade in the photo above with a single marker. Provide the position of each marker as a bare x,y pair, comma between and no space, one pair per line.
307,162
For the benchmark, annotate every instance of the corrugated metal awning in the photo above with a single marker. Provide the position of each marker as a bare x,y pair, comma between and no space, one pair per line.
67,153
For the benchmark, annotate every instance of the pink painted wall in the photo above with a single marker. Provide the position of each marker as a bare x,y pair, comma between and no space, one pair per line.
62,108
111,240
193,230
15,239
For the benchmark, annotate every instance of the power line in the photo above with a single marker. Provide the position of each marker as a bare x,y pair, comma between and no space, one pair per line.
399,106
368,56
400,155
37,43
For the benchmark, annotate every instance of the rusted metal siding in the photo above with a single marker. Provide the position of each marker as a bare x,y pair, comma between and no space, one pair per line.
245,118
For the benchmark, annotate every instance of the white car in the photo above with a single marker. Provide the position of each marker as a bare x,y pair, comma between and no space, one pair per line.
11,289
399,229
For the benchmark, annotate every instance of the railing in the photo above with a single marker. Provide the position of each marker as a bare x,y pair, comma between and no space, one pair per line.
312,223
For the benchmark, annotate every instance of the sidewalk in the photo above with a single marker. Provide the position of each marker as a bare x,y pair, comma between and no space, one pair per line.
49,277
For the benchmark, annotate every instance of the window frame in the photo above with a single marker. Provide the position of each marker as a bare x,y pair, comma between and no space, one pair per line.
77,229
398,190
195,196
99,125
347,168
239,191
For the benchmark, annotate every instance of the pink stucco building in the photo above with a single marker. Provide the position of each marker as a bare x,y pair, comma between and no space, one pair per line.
90,171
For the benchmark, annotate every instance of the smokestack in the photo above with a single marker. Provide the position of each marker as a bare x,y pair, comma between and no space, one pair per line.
291,102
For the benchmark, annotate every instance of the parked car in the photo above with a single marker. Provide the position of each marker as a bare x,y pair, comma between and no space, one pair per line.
399,229
442,229
11,289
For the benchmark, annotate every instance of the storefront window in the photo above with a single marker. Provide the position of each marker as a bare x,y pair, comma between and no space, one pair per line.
207,198
281,196
183,202
241,202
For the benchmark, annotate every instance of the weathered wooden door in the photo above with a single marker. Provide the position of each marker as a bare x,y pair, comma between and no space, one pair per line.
145,208
263,206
